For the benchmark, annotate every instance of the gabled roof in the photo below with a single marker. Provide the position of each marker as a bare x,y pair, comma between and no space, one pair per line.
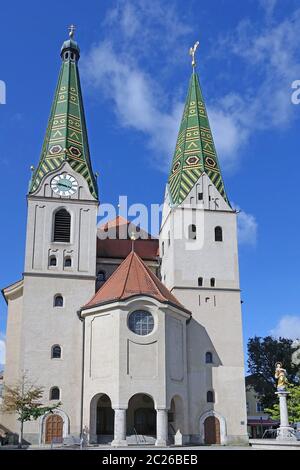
66,135
114,241
122,228
130,279
195,151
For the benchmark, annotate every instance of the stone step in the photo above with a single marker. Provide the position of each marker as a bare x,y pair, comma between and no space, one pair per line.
140,439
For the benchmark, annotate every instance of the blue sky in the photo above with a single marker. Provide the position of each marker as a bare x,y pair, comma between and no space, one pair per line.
135,69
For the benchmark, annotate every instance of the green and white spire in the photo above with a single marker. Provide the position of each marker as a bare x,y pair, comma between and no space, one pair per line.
66,135
195,151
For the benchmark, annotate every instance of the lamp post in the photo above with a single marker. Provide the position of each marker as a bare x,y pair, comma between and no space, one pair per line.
261,426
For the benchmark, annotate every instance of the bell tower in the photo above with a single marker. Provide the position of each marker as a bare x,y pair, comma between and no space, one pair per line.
60,260
198,246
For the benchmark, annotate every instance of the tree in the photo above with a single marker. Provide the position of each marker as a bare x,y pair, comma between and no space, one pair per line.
293,404
262,355
24,399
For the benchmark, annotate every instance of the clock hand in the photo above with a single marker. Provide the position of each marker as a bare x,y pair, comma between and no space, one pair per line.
65,185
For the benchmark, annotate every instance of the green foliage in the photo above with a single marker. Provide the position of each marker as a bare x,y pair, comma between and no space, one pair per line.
24,399
263,353
293,404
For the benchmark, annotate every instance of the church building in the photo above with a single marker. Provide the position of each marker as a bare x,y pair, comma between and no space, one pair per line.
140,341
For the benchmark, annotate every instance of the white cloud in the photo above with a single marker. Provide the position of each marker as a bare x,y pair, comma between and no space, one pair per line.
119,67
246,226
2,349
270,53
287,327
135,101
229,136
268,6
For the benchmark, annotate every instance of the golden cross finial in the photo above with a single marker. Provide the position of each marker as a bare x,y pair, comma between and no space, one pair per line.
71,30
193,52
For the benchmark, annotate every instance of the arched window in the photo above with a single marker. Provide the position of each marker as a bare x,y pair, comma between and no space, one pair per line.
200,281
163,248
218,234
56,351
210,398
52,261
54,393
212,282
192,232
208,357
58,300
68,262
62,226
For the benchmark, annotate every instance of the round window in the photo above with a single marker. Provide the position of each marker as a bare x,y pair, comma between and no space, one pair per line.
141,322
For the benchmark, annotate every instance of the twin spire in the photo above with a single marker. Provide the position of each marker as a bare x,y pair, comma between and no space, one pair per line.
195,151
66,135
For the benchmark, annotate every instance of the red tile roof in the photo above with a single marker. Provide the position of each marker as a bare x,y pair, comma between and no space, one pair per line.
114,240
132,278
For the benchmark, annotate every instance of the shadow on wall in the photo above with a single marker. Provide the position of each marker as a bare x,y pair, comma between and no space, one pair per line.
202,356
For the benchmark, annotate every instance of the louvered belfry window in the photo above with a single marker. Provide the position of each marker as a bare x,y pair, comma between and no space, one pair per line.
62,226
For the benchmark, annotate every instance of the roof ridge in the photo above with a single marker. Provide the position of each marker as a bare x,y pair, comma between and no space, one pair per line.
128,271
138,279
112,276
147,271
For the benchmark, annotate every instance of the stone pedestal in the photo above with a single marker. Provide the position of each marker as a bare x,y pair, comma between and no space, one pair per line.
162,427
285,431
119,428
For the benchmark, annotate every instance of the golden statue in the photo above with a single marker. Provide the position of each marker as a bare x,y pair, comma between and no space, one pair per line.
280,375
192,52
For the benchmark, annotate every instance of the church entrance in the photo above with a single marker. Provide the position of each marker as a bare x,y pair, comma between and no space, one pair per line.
141,416
105,419
54,429
212,430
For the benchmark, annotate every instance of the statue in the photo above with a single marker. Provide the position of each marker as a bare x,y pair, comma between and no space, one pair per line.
280,375
192,52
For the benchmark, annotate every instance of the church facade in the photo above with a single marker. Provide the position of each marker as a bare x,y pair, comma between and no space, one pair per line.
141,341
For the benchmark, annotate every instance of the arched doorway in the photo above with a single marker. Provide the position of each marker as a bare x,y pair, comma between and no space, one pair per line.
105,418
101,419
212,430
176,417
141,415
54,429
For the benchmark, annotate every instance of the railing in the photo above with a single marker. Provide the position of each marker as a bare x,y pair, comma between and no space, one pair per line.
269,433
140,438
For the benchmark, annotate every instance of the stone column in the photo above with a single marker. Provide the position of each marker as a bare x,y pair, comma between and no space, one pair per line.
119,427
161,427
285,431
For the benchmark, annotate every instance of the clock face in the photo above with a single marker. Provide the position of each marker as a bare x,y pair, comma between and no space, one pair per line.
64,185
